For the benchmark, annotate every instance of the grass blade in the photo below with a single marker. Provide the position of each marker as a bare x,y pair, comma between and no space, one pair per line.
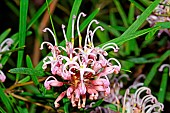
6,101
131,13
120,40
154,69
141,18
74,11
140,7
38,14
30,65
164,82
22,31
4,34
121,12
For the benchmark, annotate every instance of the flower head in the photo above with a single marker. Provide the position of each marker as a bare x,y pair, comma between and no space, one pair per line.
141,102
4,46
84,69
160,14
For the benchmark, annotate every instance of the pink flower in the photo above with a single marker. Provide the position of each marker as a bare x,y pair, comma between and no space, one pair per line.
2,76
160,14
4,46
84,69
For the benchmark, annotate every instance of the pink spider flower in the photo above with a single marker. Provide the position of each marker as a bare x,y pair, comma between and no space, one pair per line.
114,96
137,103
84,69
160,14
4,46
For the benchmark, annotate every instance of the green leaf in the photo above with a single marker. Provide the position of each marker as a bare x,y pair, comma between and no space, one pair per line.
22,31
131,13
4,34
26,79
141,19
2,110
121,12
98,103
30,65
66,102
27,71
142,60
6,101
163,87
140,7
112,107
74,11
163,25
151,34
38,14
110,29
29,62
120,40
154,68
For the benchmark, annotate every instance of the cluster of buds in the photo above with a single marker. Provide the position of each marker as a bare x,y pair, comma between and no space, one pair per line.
160,14
84,69
4,46
142,101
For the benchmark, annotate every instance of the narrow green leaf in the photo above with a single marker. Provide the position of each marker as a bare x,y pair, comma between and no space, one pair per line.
141,19
110,29
131,13
120,40
74,11
22,31
163,87
66,102
29,62
4,34
121,12
30,65
12,50
140,7
26,79
98,103
12,7
150,35
112,107
6,101
154,69
27,71
52,22
142,60
2,110
163,25
146,2
113,20
38,14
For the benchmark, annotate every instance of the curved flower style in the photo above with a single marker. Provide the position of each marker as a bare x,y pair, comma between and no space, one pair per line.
160,14
137,103
84,69
4,46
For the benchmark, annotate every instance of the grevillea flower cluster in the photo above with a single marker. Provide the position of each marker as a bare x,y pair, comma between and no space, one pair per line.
142,101
84,69
160,14
4,46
